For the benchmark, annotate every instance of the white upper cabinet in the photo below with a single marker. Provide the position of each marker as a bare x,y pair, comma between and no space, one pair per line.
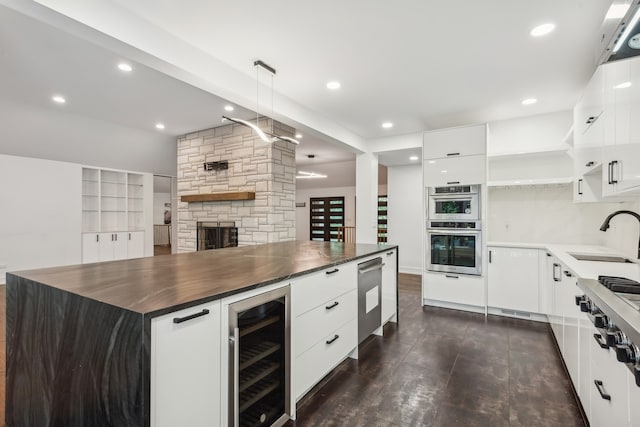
589,114
455,142
455,171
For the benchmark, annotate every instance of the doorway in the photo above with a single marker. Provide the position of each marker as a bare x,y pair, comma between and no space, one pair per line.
164,208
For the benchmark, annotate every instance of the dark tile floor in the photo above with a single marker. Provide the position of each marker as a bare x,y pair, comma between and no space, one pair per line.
441,367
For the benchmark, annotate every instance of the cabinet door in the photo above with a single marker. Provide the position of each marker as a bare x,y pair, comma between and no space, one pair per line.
570,325
634,398
455,170
455,142
90,247
585,338
120,243
389,286
135,244
106,246
453,288
589,114
513,279
554,280
185,367
612,374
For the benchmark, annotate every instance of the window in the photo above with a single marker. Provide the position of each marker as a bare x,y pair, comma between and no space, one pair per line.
382,219
326,216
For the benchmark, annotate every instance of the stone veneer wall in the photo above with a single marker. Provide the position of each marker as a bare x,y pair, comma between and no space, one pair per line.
254,165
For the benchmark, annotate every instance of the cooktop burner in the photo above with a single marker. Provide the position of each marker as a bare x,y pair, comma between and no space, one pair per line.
620,284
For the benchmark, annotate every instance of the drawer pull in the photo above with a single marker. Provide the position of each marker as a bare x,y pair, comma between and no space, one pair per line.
329,307
453,182
601,343
390,253
332,340
335,270
452,154
600,388
450,276
204,312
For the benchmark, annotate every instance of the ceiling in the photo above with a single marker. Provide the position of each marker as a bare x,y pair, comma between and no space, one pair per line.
424,65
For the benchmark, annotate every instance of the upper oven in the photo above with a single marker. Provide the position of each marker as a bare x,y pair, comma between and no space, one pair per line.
460,202
454,247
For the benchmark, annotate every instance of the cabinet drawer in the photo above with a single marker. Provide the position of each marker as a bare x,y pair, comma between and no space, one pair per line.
318,288
454,288
312,365
455,142
313,325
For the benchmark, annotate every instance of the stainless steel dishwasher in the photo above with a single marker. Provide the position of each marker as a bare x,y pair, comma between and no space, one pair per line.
369,297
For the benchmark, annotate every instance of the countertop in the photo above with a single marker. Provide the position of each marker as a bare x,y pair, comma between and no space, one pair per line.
583,269
155,285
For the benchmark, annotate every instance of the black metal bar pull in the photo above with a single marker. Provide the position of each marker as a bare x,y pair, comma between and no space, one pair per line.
204,312
335,270
600,342
329,307
600,388
332,340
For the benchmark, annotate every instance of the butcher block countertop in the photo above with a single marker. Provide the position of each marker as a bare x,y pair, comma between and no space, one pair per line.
156,285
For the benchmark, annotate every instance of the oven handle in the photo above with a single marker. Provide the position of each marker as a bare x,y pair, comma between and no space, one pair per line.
456,231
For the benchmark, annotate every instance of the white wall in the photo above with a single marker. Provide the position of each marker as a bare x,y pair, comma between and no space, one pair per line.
404,219
159,199
41,215
548,215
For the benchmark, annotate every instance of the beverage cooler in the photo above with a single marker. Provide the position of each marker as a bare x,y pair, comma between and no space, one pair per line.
259,365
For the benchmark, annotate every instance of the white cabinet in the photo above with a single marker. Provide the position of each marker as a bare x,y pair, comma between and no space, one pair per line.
455,142
571,316
185,367
634,398
135,244
113,214
553,282
98,247
607,134
453,288
513,278
324,328
390,286
608,378
455,171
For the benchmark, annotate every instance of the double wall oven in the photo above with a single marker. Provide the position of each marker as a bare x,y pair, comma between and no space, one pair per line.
454,232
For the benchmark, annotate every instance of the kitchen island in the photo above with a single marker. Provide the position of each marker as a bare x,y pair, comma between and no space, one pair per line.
79,338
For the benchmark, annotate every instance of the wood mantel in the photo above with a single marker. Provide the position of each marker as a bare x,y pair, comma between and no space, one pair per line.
219,197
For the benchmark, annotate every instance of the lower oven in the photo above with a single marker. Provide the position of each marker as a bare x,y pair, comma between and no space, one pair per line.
454,247
259,363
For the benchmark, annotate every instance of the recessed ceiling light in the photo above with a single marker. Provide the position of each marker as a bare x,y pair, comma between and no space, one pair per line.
59,99
228,108
413,158
309,175
123,66
542,30
623,85
617,11
333,85
298,135
529,101
387,125
159,125
443,171
431,162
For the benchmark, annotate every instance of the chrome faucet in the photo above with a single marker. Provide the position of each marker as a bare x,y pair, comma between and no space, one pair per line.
605,224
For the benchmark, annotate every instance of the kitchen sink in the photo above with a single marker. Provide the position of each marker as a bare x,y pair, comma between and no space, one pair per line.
601,258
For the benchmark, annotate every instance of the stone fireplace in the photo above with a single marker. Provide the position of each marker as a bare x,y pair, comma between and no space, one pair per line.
268,169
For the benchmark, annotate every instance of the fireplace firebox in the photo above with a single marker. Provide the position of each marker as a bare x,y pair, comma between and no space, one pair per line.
216,235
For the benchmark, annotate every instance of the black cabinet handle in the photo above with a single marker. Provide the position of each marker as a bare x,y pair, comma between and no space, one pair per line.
116,236
453,182
389,253
567,273
129,236
580,187
600,342
613,163
589,164
332,340
329,307
590,120
452,154
204,312
489,257
555,266
97,237
335,270
548,254
450,276
600,388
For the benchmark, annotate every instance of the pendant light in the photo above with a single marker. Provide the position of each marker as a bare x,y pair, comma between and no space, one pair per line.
265,136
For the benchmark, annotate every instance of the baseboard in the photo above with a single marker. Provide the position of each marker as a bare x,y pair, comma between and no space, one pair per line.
453,305
518,314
